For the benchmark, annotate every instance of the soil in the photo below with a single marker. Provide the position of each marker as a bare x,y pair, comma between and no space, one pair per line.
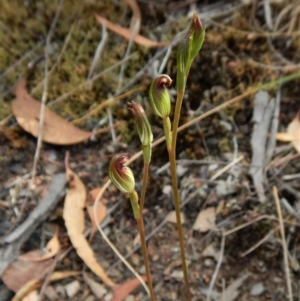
240,52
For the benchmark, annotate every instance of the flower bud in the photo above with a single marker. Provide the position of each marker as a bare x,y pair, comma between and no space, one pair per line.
141,121
196,37
120,174
189,47
159,96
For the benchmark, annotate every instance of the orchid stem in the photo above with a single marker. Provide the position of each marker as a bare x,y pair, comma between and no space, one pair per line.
144,187
140,223
172,159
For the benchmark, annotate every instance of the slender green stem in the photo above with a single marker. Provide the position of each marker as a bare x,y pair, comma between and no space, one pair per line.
171,138
178,219
144,186
140,224
167,130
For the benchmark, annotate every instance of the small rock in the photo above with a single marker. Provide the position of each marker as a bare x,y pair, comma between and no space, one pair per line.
181,170
167,189
72,288
51,293
178,274
257,289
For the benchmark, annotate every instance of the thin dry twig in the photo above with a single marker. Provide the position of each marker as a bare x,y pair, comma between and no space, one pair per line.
44,96
284,246
260,242
112,246
98,51
216,271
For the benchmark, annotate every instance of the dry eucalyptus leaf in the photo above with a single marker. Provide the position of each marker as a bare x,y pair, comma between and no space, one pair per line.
205,220
38,282
126,33
56,130
171,217
293,133
74,219
53,247
123,290
32,296
20,272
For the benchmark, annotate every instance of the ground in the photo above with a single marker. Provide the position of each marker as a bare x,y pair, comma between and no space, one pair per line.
247,44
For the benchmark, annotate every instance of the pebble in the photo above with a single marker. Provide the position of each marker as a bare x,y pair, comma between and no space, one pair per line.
257,289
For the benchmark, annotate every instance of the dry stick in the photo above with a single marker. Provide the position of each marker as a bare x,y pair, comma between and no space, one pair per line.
215,274
284,246
98,50
260,242
112,246
108,102
44,96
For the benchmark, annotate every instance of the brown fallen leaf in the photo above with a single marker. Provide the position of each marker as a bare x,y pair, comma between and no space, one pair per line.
126,33
37,283
74,219
205,220
52,247
292,134
123,290
171,217
56,130
101,211
20,272
136,14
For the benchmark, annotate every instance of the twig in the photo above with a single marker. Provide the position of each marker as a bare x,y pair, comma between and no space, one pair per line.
215,274
268,17
44,96
104,236
284,246
98,50
260,242
227,167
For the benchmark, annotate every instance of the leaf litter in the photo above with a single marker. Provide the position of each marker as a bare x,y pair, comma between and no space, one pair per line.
292,133
52,248
56,130
73,215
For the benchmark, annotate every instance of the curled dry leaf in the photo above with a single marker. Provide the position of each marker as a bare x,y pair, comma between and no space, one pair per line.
37,283
205,220
126,33
293,133
53,247
74,219
56,130
101,210
171,217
